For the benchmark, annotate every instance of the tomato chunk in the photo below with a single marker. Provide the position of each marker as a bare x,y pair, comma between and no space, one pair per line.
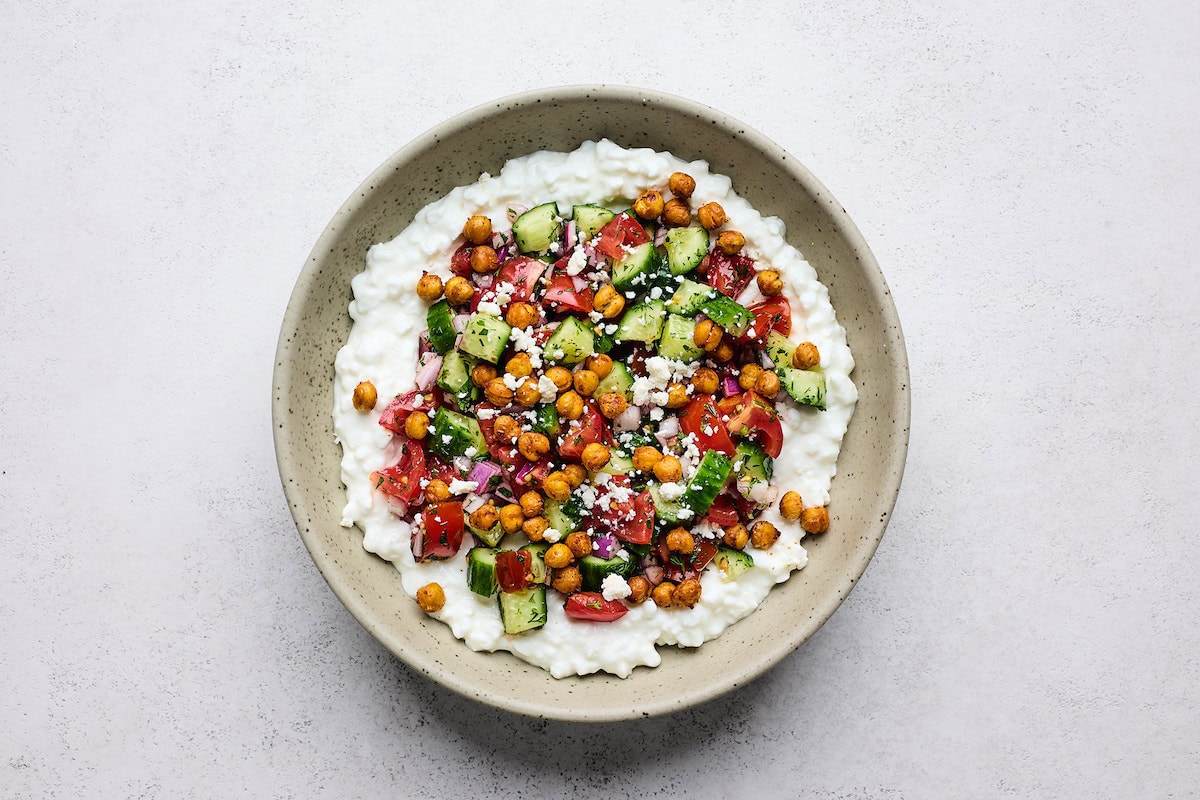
590,427
522,273
460,262
402,480
562,294
729,275
702,420
757,419
442,528
772,314
622,231
512,570
398,410
723,512
592,607
629,520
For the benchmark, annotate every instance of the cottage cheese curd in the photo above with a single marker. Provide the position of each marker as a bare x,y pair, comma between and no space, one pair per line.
382,347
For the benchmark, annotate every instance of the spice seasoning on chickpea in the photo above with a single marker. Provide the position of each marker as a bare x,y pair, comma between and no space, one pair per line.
763,534
511,518
559,556
663,594
595,456
806,356
497,392
429,288
711,216
681,185
708,335
600,364
533,445
649,205
767,384
668,469
431,598
612,404
528,394
580,544
365,396
484,259
535,528
749,375
686,594
561,377
459,291
769,282
730,242
586,382
556,486
522,315
569,405
478,229
576,475
736,536
705,381
814,520
790,506
417,425
609,302
531,504
481,374
676,213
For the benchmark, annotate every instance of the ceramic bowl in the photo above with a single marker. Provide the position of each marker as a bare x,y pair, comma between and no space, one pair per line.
316,325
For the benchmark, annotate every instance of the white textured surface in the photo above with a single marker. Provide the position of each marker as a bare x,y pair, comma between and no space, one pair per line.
1025,172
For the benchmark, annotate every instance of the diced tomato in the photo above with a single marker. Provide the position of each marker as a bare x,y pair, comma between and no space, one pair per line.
436,468
630,521
722,512
402,480
512,570
592,607
678,567
757,419
772,314
460,262
522,273
442,528
543,334
729,275
623,231
396,412
590,427
562,294
536,474
702,420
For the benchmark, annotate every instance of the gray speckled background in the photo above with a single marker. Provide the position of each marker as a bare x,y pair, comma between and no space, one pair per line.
1026,175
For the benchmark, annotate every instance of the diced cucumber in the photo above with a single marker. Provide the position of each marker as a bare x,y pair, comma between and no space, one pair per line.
642,323
732,563
489,536
603,342
618,380
665,510
455,375
707,483
523,610
440,319
485,336
589,220
689,297
731,315
481,571
780,349
537,561
563,515
451,434
618,463
595,570
634,269
538,228
677,342
686,248
545,420
571,342
806,386
753,466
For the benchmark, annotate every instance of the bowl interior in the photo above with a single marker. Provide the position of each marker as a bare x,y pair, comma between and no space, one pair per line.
316,325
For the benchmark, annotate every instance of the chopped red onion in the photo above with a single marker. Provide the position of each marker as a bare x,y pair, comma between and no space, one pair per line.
428,372
654,574
605,545
483,472
628,420
423,344
580,283
669,426
524,471
729,386
660,235
418,543
484,281
461,464
459,321
474,502
570,239
505,493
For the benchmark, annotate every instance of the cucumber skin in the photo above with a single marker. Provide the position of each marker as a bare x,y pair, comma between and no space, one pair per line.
779,350
686,248
575,341
618,380
806,387
481,573
642,323
676,342
595,570
731,315
533,235
689,297
440,320
711,476
732,563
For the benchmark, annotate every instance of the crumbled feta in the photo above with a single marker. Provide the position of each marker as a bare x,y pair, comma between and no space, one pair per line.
656,414
672,491
614,587
462,487
656,293
490,307
504,293
577,262
471,452
511,381
548,389
447,438
552,535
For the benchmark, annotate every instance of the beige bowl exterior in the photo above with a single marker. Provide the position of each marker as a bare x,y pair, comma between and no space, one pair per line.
454,153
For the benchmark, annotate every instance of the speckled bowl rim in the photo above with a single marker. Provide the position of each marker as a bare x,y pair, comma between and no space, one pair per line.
786,642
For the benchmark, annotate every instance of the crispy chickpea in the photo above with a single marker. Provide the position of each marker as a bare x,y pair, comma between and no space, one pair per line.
436,491
533,445
567,580
711,216
576,475
730,242
497,392
612,404
645,458
485,516
528,394
459,291
806,356
681,185
814,519
649,205
601,364
478,229
580,544
556,486
431,597
677,395
365,396
723,353
736,536
531,504
749,375
687,593
708,335
569,405
417,425
668,469
482,373
519,366
561,376
484,259
663,594
522,315
511,518
763,534
769,281
608,301
790,506
586,382
429,287
767,384
705,381
595,456
676,213
639,589
558,556
535,528
680,540
506,428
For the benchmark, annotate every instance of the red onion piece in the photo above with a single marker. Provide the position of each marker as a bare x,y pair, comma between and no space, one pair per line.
570,239
484,281
524,471
461,464
729,386
482,473
459,322
580,283
654,574
660,235
428,373
628,420
605,545
418,543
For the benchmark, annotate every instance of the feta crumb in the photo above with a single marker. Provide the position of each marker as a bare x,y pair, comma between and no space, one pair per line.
672,491
614,587
489,307
656,414
511,381
552,535
447,438
462,487
656,293
548,389
577,262
471,452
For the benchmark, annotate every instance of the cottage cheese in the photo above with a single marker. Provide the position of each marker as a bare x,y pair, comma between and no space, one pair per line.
382,348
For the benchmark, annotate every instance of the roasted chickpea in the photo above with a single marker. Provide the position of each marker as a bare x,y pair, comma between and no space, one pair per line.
663,594
705,381
459,291
580,544
569,405
723,353
417,425
595,456
556,486
769,282
668,469
535,528
645,458
522,315
437,491
608,301
365,396
736,536
506,428
519,366
429,287
711,216
511,518
730,242
680,540
531,504
482,373
558,556
484,259
567,580
485,516
681,184
478,229
497,392
600,364
576,475
676,213
708,335
586,382
790,506
686,594
528,394
677,395
533,445
561,376
639,589
814,519
431,597
763,534
612,404
767,384
749,375
649,205
806,356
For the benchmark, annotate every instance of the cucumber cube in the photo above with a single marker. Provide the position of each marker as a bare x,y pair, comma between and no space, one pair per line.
485,336
571,342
